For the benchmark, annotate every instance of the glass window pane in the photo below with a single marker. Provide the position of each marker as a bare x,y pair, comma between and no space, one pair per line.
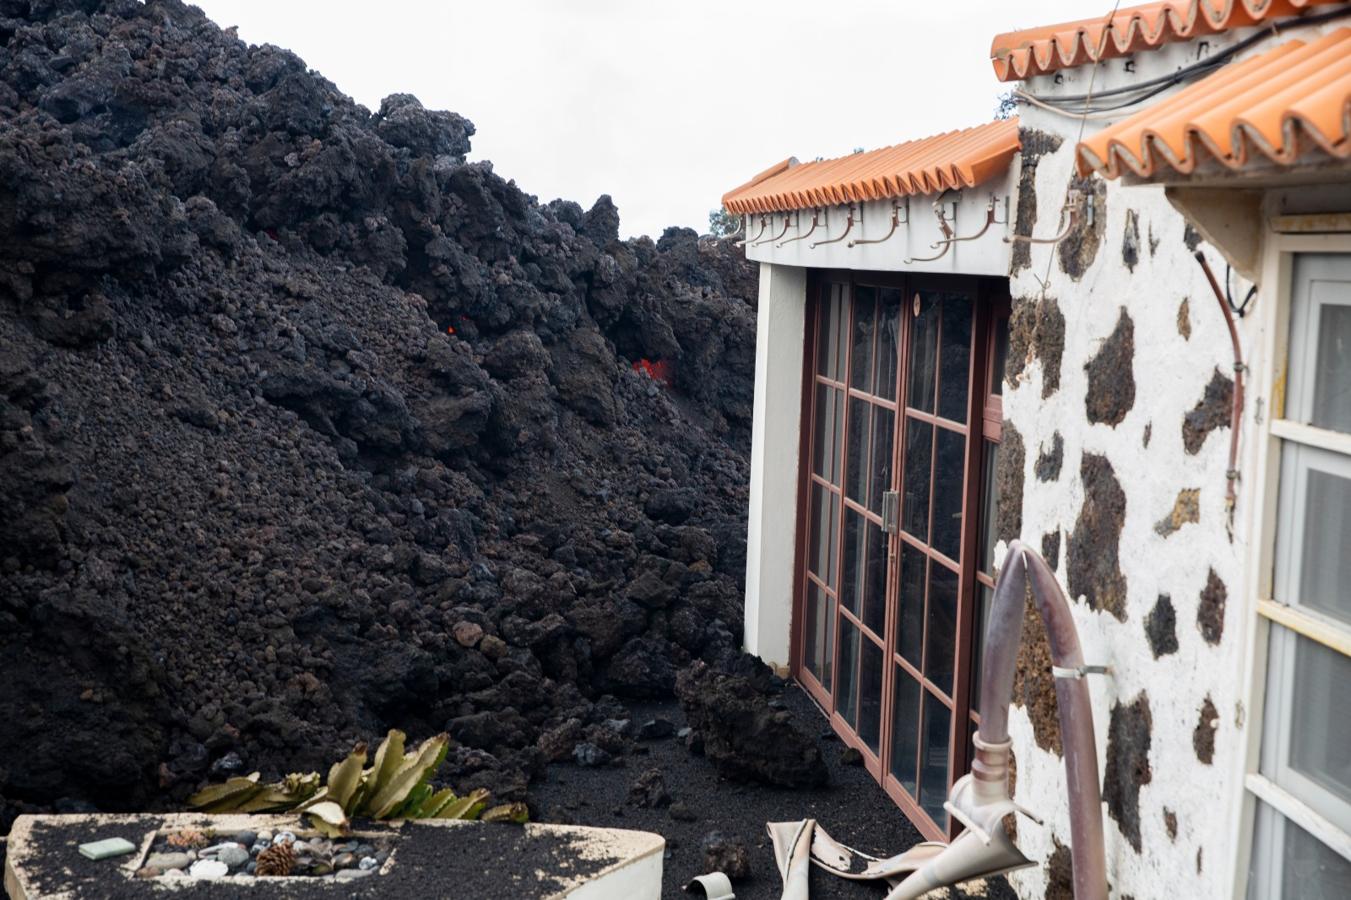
846,700
1320,730
841,331
1288,862
1332,367
870,696
940,637
820,634
910,625
955,358
827,318
884,432
856,478
933,774
923,350
905,730
865,317
915,503
828,424
888,341
1325,569
825,525
1001,355
855,563
864,588
1307,731
949,488
989,508
1313,531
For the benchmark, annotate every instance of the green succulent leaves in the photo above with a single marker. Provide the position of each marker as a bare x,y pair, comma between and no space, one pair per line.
396,786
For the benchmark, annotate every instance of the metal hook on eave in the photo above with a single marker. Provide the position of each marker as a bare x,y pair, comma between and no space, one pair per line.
764,223
896,222
990,219
848,227
816,216
1077,205
946,241
777,236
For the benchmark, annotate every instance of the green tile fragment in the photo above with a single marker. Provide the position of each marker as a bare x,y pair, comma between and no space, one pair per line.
107,848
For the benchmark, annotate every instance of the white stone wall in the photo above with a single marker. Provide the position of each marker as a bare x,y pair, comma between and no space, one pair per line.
1171,372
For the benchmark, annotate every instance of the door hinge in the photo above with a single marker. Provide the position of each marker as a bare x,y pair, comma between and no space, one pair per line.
891,504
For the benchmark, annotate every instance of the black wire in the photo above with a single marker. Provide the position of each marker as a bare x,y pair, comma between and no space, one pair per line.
1210,62
1242,310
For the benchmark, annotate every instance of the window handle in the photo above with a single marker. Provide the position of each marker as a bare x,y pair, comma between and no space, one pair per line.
891,503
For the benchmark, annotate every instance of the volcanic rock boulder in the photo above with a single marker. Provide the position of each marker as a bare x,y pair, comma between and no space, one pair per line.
742,734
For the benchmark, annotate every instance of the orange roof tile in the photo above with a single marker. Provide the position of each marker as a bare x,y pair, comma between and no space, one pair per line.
1036,51
955,159
1281,103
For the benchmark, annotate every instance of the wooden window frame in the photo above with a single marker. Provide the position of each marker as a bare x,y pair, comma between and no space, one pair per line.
990,304
1262,611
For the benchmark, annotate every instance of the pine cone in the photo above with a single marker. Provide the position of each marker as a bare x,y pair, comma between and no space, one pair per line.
188,837
276,860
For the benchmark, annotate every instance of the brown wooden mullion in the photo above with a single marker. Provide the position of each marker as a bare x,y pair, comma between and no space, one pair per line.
862,510
848,368
867,632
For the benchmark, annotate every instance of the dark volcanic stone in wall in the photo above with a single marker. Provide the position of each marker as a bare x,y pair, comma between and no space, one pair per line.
1203,737
1080,248
1161,627
1170,823
1035,145
1033,684
1191,237
1093,558
1212,411
1009,484
1184,319
1210,611
1186,509
1059,873
1130,240
1129,734
1050,548
1111,377
1050,460
1036,331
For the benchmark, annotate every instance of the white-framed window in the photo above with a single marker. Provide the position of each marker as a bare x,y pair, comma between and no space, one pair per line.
1298,782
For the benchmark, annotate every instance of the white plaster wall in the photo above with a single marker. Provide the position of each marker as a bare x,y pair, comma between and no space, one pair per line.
1170,373
775,433
986,255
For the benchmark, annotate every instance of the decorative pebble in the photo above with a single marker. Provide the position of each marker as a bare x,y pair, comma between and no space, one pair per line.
265,835
233,855
148,872
251,868
319,867
208,868
364,850
367,863
347,847
246,838
353,874
168,861
283,837
344,861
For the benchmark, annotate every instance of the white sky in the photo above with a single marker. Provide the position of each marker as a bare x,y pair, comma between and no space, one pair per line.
663,106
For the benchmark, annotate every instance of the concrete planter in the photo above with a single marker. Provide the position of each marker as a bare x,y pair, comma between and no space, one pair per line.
429,857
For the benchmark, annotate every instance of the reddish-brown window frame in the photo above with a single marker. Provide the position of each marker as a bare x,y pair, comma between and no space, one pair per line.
984,418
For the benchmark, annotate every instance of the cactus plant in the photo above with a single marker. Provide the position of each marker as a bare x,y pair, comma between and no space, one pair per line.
396,786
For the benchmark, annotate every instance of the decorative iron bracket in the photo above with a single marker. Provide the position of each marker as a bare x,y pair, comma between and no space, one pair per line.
848,227
777,236
943,226
816,216
896,221
764,223
1078,207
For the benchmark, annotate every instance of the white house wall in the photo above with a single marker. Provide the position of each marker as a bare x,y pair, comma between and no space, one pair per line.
775,440
1168,728
986,255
